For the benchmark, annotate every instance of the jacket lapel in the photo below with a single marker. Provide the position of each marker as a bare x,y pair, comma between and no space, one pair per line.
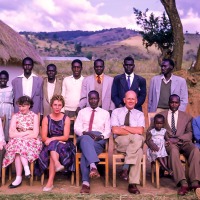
124,82
173,84
104,86
45,90
34,87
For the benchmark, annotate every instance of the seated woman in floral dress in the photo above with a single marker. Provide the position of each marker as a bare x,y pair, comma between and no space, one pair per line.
24,145
55,135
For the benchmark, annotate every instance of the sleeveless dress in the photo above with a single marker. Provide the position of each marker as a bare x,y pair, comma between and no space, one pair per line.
158,139
65,150
28,148
6,107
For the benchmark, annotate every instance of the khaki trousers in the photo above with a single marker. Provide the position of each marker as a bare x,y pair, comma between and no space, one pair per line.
131,145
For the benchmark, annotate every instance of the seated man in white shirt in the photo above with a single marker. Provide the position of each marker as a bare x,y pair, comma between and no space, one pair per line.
93,128
128,127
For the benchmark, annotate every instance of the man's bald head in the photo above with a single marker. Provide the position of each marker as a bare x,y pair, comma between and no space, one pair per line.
130,99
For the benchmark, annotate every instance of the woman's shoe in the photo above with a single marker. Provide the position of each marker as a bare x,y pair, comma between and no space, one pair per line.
47,189
60,168
11,186
28,176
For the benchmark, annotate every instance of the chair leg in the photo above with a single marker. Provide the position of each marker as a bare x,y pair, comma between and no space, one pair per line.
152,172
157,174
72,178
31,169
3,175
114,171
77,171
144,171
10,172
42,179
106,171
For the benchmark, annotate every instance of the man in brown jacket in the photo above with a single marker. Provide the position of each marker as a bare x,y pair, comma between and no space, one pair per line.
178,126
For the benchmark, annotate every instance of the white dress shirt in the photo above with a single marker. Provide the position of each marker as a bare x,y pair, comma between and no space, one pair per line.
131,78
164,79
27,84
101,121
50,89
169,118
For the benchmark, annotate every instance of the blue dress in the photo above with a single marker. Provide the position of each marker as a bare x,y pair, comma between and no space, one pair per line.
65,150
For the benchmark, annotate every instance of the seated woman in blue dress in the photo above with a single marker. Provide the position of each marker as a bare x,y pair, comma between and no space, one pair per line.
55,135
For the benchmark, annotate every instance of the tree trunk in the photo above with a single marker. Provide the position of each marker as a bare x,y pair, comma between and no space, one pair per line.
177,28
197,64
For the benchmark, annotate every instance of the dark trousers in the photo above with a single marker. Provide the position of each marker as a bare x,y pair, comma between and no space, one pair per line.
90,150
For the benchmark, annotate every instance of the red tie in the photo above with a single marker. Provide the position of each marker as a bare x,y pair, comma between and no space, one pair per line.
91,120
98,79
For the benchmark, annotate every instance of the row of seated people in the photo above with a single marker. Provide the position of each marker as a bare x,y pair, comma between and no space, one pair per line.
93,127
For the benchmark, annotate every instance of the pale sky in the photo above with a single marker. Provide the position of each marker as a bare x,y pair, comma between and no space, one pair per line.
91,15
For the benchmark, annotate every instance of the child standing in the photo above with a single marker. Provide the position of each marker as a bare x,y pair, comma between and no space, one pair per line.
159,137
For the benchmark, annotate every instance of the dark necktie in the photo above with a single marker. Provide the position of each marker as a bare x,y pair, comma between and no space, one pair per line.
127,117
91,120
173,124
129,82
98,79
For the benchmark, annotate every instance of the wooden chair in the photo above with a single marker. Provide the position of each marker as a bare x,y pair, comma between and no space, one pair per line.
71,136
103,157
155,166
118,160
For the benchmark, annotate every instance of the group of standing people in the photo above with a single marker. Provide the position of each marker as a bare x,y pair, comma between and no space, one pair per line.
92,100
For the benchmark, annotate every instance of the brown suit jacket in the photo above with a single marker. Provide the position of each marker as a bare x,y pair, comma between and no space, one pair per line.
184,128
57,90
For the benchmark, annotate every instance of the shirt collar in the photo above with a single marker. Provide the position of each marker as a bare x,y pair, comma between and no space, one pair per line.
174,112
131,75
22,75
164,79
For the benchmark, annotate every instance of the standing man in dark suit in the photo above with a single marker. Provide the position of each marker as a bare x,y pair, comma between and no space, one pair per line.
178,126
128,81
28,84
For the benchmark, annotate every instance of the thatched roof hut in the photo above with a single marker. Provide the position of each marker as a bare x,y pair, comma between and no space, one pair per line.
14,48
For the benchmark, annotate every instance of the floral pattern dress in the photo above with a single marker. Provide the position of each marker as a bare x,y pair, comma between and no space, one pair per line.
28,148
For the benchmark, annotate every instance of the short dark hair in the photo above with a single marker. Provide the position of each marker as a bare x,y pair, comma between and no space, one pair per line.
25,100
98,60
174,95
57,97
159,116
4,72
77,61
128,58
27,58
93,92
171,62
52,65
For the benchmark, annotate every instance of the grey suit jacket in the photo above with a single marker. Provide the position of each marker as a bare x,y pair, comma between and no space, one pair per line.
184,127
37,93
88,85
57,90
178,86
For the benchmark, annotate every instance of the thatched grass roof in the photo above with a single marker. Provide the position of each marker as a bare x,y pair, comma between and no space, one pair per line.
14,48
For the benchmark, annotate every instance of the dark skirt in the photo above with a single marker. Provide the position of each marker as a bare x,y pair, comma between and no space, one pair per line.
66,153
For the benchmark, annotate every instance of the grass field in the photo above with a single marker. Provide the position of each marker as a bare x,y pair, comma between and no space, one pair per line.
95,197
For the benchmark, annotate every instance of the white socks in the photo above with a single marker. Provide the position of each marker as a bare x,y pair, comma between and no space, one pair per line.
17,181
27,170
92,165
86,183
